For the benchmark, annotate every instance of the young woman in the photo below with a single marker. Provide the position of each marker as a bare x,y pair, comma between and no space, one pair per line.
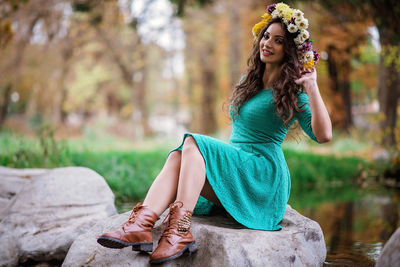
248,176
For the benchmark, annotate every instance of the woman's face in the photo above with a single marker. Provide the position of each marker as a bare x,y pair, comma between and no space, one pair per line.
271,45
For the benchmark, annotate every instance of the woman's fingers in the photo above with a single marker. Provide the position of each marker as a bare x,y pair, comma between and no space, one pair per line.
300,80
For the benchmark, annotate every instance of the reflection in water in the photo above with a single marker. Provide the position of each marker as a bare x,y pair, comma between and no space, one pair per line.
390,214
356,223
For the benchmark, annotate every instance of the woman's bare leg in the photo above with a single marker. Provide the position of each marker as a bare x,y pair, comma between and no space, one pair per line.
170,185
208,193
163,190
192,176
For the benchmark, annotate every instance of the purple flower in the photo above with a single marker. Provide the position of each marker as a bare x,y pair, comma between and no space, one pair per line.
271,8
316,56
305,47
292,21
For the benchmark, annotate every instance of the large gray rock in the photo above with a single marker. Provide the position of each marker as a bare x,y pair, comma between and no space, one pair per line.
221,242
12,181
47,209
390,256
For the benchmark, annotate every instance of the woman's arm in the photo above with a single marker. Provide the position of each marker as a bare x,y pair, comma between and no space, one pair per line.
320,120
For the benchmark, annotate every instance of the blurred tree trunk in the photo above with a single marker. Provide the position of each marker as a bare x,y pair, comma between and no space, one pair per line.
77,36
339,69
127,72
345,91
209,89
386,15
59,112
15,66
6,35
388,96
200,60
140,90
4,101
234,43
190,74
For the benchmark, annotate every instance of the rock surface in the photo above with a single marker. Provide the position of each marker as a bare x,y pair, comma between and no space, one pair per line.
12,181
390,255
45,210
221,242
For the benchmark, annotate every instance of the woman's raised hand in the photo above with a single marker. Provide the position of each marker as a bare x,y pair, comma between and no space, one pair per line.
308,79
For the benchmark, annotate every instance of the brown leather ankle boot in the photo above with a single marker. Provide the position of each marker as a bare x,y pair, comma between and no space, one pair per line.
176,238
135,232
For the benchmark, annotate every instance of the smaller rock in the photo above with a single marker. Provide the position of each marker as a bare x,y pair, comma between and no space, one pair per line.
390,255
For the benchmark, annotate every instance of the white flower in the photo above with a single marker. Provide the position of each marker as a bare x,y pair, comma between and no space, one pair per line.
280,12
309,56
297,14
304,34
302,24
285,20
298,40
275,14
301,58
292,28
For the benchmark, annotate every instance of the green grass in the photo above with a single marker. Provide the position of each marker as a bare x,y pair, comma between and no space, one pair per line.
130,172
308,169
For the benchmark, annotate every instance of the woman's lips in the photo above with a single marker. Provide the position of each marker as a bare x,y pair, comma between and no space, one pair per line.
266,53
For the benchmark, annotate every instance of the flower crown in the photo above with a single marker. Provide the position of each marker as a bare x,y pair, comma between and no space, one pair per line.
296,24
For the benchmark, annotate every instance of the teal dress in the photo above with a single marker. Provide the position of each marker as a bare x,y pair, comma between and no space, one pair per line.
249,175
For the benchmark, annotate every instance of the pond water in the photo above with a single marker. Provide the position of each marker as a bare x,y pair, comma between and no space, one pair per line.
356,222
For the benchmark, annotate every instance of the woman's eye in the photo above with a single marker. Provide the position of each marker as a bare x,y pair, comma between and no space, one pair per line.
279,41
266,36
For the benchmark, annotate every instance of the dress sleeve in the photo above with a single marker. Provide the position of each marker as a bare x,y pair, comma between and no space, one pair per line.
304,117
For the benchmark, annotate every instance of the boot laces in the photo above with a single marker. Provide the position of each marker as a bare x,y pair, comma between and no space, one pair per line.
167,224
133,216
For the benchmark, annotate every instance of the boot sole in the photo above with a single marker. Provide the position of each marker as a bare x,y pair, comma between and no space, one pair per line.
109,242
190,248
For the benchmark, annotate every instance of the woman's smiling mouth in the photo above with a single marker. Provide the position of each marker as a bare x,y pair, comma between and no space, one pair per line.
266,52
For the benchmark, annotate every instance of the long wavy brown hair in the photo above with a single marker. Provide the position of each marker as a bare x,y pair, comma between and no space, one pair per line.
284,88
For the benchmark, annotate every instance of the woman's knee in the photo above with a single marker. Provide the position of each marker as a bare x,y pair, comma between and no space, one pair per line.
174,158
189,145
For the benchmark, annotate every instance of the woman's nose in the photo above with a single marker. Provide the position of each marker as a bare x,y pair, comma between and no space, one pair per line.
267,43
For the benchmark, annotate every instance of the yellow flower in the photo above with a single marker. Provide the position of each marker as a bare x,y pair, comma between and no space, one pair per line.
258,27
309,64
282,9
288,15
282,6
266,17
